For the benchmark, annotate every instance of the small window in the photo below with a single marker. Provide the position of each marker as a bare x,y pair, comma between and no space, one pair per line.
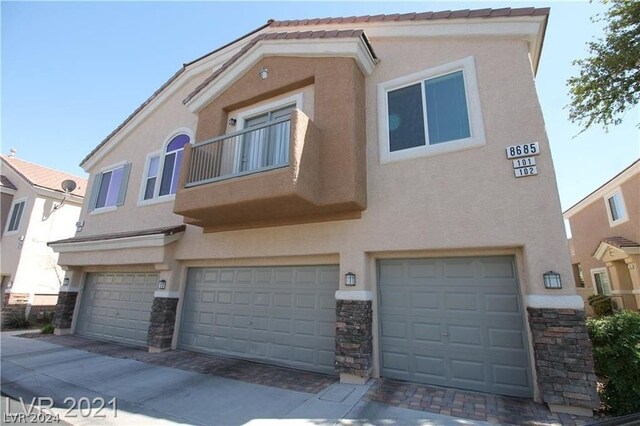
616,208
601,281
163,170
578,275
16,216
434,111
172,164
109,188
152,177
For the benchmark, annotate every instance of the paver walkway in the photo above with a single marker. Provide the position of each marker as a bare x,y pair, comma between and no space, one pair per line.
475,406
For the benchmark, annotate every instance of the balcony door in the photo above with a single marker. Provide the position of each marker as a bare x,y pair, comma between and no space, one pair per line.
268,145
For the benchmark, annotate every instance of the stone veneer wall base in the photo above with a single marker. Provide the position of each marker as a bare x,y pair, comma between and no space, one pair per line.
162,324
354,339
14,306
564,361
64,309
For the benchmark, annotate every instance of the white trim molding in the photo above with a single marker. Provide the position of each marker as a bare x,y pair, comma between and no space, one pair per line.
555,302
140,241
359,295
166,294
318,48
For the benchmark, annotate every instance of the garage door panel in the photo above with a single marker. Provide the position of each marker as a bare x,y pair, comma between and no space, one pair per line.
454,322
117,307
284,315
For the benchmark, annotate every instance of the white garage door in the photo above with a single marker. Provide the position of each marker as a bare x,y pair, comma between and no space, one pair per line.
454,322
277,315
117,307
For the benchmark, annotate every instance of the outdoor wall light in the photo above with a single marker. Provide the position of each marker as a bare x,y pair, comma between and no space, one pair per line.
162,284
350,279
552,280
65,281
263,73
232,121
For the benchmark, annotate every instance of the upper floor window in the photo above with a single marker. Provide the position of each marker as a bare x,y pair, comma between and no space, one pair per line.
616,210
163,170
430,112
110,187
17,209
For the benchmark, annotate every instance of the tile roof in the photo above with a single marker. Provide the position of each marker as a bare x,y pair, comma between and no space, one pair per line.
292,35
423,16
603,185
6,183
164,86
43,177
167,230
447,14
620,242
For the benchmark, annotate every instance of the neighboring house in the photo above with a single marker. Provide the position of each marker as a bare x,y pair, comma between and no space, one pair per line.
35,210
335,195
605,243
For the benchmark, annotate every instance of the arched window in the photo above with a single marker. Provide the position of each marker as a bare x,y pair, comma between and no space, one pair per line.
163,171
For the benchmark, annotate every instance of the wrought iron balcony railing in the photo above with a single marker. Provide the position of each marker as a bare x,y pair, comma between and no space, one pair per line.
255,149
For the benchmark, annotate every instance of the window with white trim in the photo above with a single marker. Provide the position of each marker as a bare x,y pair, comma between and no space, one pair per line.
15,217
430,112
601,281
616,210
162,171
110,187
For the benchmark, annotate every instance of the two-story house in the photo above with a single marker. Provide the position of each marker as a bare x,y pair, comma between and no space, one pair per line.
342,195
35,210
605,239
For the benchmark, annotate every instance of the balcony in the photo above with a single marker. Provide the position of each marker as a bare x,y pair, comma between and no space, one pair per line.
267,175
253,150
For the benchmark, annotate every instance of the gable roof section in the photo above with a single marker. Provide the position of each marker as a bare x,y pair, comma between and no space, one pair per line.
43,177
6,183
423,16
364,19
163,88
294,35
625,174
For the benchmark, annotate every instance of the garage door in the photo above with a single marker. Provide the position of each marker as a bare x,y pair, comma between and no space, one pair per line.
278,315
117,307
454,322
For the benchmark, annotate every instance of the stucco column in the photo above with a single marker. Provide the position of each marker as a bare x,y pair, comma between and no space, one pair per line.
634,273
67,300
164,308
621,285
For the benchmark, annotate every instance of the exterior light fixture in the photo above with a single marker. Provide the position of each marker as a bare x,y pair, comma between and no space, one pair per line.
263,73
232,121
162,284
65,282
350,279
552,280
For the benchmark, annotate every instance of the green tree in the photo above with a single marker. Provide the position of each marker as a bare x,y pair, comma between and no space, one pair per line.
609,79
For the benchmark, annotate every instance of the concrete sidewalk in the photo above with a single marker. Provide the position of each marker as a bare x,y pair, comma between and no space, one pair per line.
149,394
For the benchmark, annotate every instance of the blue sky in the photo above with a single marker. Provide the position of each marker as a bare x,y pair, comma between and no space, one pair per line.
72,72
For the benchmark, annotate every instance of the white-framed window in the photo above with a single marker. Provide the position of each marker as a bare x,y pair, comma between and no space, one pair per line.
600,278
162,169
109,187
616,209
15,216
431,112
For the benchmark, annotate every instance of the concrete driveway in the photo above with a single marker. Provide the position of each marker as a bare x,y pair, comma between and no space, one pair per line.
148,394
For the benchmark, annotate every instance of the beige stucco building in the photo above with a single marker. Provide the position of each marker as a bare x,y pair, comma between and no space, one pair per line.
605,231
341,195
33,213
